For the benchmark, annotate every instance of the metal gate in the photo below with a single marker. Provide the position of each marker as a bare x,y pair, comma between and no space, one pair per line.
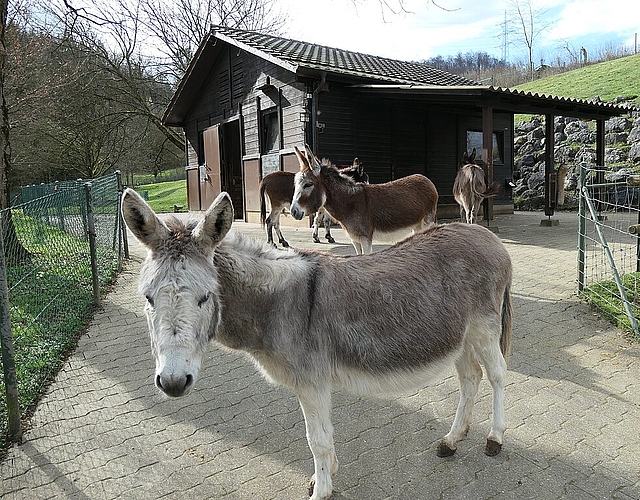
609,244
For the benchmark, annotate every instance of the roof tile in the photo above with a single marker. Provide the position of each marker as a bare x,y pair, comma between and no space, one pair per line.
307,55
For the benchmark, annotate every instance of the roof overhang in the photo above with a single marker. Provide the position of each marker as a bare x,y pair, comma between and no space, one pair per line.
500,99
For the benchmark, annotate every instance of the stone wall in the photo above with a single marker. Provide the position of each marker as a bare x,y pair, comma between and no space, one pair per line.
574,143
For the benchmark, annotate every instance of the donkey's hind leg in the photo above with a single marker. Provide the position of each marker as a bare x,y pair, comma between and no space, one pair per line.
269,224
316,408
495,365
276,226
469,376
327,228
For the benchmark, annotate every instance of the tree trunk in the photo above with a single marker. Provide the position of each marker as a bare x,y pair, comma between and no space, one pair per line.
14,251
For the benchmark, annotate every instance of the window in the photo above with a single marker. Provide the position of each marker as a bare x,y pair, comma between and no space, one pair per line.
270,131
474,140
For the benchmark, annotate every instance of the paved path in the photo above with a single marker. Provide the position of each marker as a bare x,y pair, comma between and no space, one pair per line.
573,408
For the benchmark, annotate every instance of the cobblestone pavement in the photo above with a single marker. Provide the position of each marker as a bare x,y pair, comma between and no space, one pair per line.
573,408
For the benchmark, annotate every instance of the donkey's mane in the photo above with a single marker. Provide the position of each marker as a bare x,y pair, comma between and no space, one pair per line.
248,258
335,175
180,241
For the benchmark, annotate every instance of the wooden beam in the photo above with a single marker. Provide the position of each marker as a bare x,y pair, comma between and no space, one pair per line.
487,157
550,187
600,142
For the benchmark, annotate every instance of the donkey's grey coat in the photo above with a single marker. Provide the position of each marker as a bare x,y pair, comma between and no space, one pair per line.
439,297
470,188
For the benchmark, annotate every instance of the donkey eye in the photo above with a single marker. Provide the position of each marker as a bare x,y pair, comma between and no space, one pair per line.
203,300
308,185
149,300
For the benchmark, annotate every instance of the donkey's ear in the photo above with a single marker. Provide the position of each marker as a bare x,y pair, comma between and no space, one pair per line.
473,155
142,220
302,160
313,160
216,222
359,167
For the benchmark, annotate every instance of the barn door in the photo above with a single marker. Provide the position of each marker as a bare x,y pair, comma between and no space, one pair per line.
210,181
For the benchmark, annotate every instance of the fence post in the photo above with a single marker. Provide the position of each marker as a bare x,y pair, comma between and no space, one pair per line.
125,240
8,360
91,232
582,227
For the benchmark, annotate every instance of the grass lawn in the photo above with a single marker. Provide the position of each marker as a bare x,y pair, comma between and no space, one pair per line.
164,195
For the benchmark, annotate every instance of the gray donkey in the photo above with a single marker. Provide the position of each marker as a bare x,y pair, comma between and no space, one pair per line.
470,188
440,297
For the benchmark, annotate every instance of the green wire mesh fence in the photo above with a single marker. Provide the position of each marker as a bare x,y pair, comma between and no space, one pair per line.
62,250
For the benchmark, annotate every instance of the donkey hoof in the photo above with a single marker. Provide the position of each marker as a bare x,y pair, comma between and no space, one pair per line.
330,239
492,448
312,485
444,450
316,239
284,244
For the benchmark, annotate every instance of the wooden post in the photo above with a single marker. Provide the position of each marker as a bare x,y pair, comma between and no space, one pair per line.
487,157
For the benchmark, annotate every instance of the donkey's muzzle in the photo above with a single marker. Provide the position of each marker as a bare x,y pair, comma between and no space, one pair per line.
296,212
174,385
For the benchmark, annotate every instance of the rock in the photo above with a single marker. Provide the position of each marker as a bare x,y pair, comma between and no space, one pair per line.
617,124
616,138
586,154
634,152
613,155
564,154
536,179
575,127
582,136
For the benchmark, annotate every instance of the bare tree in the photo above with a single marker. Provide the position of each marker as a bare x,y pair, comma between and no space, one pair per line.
156,35
180,26
530,25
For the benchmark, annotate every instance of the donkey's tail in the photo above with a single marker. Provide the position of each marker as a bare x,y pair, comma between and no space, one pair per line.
492,190
507,323
263,204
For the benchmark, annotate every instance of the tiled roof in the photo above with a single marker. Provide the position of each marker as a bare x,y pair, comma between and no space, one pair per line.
319,57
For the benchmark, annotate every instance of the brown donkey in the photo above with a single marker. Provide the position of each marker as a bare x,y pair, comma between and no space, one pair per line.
278,187
366,211
470,189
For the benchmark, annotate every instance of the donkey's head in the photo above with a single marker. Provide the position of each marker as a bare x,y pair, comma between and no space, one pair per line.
356,172
469,159
180,283
308,192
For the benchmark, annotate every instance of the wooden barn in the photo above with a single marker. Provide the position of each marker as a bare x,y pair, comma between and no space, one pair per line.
248,98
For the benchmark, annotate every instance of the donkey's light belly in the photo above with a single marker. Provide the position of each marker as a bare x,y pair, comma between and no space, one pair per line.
393,236
392,382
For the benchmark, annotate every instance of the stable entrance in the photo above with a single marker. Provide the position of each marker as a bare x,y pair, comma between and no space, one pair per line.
223,166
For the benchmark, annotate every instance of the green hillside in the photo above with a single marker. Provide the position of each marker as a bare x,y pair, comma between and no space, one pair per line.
608,80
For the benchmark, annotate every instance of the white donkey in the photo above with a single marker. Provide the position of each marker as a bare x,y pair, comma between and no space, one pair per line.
440,297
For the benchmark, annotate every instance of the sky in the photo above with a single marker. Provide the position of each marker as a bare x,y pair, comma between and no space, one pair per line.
426,31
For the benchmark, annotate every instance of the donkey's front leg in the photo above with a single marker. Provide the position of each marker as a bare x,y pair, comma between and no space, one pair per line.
316,226
316,407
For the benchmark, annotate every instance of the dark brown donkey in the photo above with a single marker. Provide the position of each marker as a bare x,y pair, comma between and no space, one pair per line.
366,211
278,187
470,189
